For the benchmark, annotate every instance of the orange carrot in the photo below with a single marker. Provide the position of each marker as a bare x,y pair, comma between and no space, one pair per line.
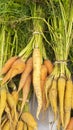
26,90
27,71
43,79
17,68
70,125
49,66
8,64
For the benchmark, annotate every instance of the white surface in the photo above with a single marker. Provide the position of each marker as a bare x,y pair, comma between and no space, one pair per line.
46,120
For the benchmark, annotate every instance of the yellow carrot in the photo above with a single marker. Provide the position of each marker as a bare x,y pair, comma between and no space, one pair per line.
72,98
8,64
37,78
26,90
29,119
68,96
11,103
27,71
53,97
47,86
61,93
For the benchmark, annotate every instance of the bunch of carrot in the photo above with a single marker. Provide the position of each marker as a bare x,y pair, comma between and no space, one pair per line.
58,86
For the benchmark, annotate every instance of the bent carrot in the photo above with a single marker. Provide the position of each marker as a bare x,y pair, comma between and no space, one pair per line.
61,93
49,66
70,124
8,64
37,78
26,90
68,96
27,71
43,79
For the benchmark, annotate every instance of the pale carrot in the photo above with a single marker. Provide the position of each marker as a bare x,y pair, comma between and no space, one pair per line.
27,71
43,79
68,97
49,66
26,90
53,98
37,78
8,64
61,93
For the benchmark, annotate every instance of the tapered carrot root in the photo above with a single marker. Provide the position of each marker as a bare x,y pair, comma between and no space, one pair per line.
49,66
68,97
28,69
2,101
20,125
70,124
61,93
37,78
8,64
26,90
28,118
43,79
53,97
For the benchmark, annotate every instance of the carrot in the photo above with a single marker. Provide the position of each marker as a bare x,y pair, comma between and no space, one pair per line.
70,124
3,97
61,92
37,78
49,66
17,68
27,71
53,97
26,90
43,79
8,64
7,110
6,126
11,103
20,125
29,119
47,88
68,96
